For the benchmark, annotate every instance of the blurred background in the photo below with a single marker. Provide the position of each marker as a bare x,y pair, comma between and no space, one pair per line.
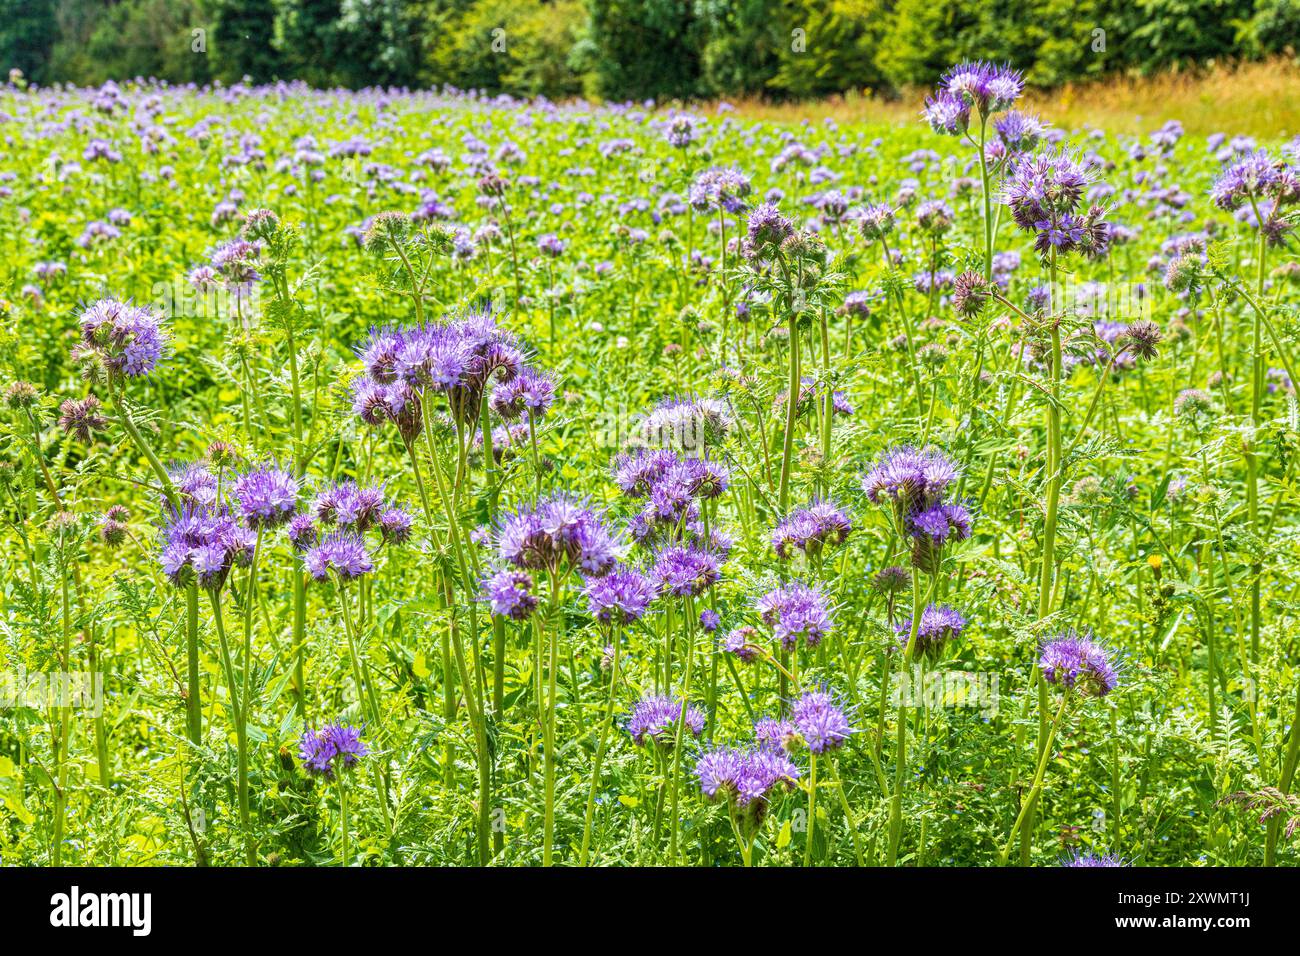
860,55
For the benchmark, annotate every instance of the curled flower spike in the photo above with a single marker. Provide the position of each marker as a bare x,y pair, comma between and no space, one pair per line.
344,553
556,534
811,529
509,593
741,642
1080,664
1086,859
796,611
267,496
821,722
620,597
654,721
333,748
119,340
686,570
939,625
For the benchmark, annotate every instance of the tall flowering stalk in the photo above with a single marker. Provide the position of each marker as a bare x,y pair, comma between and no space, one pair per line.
987,90
556,537
1080,667
914,485
330,754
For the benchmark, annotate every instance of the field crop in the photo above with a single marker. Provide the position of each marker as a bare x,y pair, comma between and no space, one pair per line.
412,478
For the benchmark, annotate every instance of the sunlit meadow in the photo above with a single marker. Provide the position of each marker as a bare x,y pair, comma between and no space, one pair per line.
400,478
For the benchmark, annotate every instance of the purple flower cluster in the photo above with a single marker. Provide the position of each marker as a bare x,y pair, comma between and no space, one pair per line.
939,624
1044,193
1078,663
267,496
619,597
343,552
981,86
686,423
1085,859
654,720
740,642
119,340
686,570
457,357
671,487
811,529
1258,187
748,778
509,593
558,532
915,482
333,748
796,610
723,189
202,543
820,721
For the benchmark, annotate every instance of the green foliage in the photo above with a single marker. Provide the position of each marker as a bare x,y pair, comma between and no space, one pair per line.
629,49
639,48
500,45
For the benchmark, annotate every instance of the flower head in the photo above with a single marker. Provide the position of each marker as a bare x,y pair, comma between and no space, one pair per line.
939,624
333,748
509,592
655,719
619,597
120,339
821,722
267,496
796,611
343,552
1078,663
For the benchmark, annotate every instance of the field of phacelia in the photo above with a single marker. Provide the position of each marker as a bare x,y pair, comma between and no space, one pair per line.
411,478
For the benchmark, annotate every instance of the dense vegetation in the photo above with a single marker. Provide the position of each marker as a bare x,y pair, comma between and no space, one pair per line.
448,479
628,48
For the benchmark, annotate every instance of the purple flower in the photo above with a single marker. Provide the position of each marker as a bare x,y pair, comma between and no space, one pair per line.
122,339
876,222
509,594
1083,858
686,570
767,228
332,748
939,624
947,113
267,496
202,544
911,479
747,778
740,641
990,88
395,526
796,610
811,529
709,620
559,531
349,506
775,735
821,722
619,597
529,393
655,719
1254,177
302,532
637,473
1078,663
343,552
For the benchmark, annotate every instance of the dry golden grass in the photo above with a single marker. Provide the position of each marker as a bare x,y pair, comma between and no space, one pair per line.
1255,99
